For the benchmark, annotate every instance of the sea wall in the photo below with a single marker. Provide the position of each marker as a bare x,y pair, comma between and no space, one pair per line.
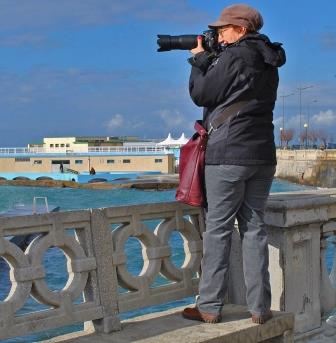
150,182
309,167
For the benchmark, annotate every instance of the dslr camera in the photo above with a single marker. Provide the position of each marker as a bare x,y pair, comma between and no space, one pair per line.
188,42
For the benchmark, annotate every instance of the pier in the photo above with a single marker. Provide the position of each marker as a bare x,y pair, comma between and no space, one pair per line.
301,227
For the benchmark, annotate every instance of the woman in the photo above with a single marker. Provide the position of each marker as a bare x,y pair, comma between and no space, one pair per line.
240,156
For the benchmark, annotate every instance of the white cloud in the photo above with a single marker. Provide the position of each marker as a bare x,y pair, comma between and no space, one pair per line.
325,118
172,118
277,121
116,122
175,121
90,102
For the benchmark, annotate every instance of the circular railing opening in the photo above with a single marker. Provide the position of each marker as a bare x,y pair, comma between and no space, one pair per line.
54,262
5,283
133,252
177,249
330,254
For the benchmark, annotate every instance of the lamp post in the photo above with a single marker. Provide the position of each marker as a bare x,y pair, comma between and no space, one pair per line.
281,129
283,108
309,111
300,89
306,128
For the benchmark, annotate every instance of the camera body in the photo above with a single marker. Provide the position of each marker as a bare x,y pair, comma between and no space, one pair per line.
188,42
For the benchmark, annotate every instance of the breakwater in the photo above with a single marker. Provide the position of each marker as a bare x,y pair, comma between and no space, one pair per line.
155,182
308,167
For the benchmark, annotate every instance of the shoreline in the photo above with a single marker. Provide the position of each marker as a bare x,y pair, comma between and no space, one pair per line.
161,182
146,182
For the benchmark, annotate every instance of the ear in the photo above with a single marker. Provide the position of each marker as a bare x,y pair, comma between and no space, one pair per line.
243,30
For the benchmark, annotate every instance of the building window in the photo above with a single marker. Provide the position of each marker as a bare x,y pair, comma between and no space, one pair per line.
78,161
22,159
51,145
158,160
56,145
62,145
110,161
60,161
38,162
126,161
67,145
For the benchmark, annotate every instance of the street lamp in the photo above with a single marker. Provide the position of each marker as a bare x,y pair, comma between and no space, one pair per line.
300,89
283,108
306,128
281,129
309,110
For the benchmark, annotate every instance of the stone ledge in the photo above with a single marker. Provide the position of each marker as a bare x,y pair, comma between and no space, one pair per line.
169,326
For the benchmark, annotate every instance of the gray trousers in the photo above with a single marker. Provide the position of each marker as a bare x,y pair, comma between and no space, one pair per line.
235,192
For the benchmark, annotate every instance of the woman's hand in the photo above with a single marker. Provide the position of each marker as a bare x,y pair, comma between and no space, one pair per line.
199,47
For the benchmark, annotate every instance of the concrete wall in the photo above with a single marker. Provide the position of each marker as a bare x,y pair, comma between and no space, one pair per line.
309,167
34,163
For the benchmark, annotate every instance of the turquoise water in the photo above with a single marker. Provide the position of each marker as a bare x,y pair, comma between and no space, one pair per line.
72,199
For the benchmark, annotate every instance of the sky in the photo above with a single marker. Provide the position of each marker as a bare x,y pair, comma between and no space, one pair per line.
90,67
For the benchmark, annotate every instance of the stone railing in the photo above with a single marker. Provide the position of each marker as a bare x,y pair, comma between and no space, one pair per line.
301,226
97,264
304,221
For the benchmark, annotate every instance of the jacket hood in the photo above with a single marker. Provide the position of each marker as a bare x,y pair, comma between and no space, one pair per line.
272,53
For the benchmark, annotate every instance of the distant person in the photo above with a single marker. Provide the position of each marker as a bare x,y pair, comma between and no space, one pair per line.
92,171
240,156
61,167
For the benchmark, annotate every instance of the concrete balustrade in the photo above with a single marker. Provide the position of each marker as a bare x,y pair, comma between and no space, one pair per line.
27,273
301,227
96,264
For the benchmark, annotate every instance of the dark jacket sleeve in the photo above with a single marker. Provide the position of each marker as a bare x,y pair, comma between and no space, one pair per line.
209,86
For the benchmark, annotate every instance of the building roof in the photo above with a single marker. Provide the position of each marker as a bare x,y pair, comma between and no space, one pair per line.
182,140
169,141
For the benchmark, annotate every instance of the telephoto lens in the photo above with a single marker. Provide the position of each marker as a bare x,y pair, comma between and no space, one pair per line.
183,42
188,42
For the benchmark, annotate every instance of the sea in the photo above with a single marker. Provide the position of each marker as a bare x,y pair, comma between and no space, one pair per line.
55,261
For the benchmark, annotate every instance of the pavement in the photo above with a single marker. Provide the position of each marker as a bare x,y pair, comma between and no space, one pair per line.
169,326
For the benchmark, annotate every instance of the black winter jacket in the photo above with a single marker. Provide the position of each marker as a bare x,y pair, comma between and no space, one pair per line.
244,70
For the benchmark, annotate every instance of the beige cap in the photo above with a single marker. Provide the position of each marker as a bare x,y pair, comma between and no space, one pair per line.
240,15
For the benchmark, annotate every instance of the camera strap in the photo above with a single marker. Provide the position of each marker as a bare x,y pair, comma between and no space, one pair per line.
235,108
